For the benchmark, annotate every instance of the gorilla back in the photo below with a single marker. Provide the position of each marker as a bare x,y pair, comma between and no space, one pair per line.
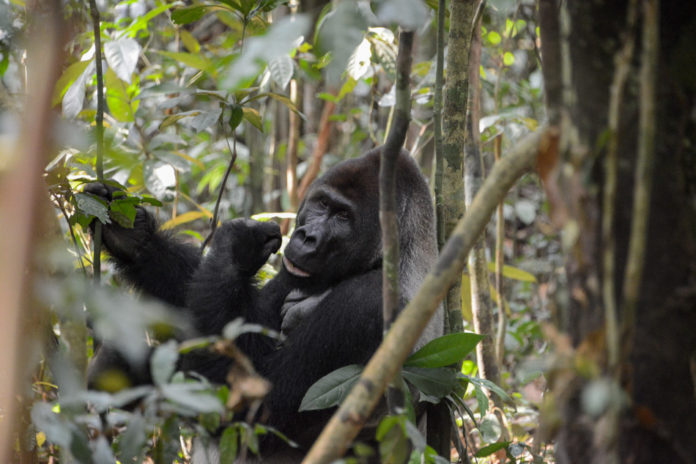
327,297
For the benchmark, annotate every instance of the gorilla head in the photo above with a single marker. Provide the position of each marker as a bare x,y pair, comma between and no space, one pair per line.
338,231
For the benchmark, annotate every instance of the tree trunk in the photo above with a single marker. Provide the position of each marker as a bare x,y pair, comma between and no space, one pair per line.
654,344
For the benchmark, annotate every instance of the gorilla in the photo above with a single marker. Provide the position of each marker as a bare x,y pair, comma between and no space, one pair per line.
326,298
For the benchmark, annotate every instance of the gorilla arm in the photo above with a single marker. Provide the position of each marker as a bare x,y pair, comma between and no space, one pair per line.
149,259
223,288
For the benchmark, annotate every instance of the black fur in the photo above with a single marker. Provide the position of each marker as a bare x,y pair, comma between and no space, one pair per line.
330,289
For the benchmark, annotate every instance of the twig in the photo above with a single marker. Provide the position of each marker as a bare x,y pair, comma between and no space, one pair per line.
214,220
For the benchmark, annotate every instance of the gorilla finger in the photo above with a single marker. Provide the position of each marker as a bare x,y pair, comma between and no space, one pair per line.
99,189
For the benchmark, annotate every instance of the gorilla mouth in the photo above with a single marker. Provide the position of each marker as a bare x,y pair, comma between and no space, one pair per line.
294,270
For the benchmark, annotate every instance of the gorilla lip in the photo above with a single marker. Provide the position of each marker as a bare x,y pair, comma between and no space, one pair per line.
294,270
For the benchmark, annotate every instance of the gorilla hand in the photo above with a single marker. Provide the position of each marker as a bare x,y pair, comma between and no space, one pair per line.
246,243
123,243
298,305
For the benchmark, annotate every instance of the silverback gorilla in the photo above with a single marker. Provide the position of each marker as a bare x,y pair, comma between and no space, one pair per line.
326,298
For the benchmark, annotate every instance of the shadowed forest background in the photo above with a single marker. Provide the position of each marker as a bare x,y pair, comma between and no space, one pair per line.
582,284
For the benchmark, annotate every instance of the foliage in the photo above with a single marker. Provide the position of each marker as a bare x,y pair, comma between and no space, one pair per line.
188,86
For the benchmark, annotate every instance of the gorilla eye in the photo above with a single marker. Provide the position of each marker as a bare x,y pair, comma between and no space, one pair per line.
323,204
343,215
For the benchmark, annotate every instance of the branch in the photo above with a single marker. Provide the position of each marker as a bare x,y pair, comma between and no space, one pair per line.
622,68
644,174
437,126
214,220
387,194
387,179
99,121
319,149
397,345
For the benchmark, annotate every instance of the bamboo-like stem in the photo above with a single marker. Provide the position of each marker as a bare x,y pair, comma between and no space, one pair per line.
622,62
99,122
643,178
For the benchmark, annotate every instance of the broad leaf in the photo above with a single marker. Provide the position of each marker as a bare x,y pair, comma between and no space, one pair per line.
331,389
93,206
133,440
514,273
194,396
490,449
120,105
70,75
123,211
433,382
122,56
163,362
74,97
182,16
229,443
280,39
281,68
194,60
254,118
445,350
183,218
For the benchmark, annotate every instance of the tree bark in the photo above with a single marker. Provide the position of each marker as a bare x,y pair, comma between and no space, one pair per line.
651,377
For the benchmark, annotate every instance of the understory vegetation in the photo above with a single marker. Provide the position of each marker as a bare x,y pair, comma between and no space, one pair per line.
230,108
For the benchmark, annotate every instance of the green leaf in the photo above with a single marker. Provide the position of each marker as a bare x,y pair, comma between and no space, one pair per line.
93,205
445,350
74,97
117,98
279,40
229,443
193,60
133,440
508,59
253,117
163,362
182,16
493,38
513,273
434,382
236,116
281,68
123,211
71,73
194,396
143,21
490,449
393,445
189,41
331,389
122,56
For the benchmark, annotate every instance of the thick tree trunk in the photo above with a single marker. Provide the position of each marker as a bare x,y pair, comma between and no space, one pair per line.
657,350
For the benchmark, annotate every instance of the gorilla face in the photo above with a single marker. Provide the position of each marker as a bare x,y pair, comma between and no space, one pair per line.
337,235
